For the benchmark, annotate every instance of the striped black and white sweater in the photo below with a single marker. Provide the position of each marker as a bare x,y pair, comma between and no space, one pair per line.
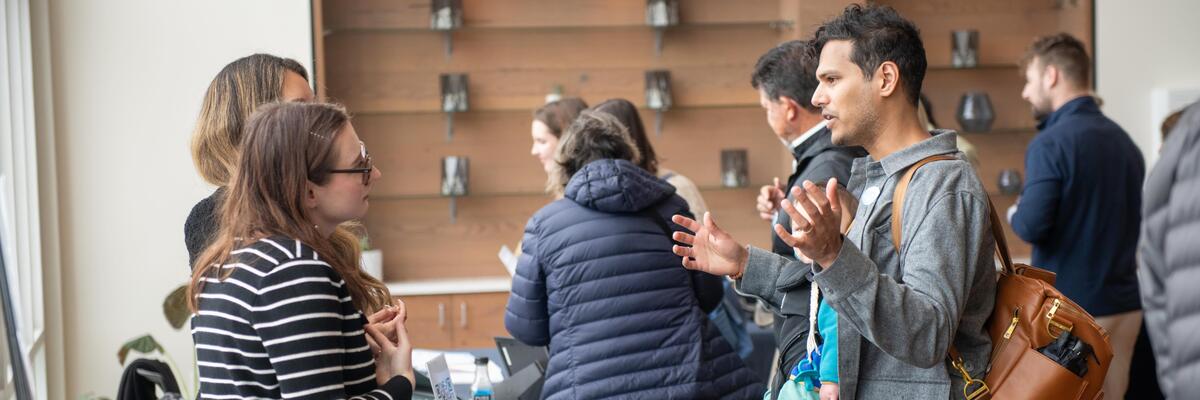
282,326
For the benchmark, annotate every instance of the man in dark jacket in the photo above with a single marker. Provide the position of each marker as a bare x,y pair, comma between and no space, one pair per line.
598,283
785,78
1079,207
1170,256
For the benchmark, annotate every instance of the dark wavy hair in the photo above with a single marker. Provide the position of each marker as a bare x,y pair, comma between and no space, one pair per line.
878,34
788,70
594,135
627,113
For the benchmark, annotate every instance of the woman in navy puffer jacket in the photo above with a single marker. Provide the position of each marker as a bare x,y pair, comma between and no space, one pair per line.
598,283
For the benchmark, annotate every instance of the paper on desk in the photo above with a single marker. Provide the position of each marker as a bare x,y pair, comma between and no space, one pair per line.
508,259
439,377
461,365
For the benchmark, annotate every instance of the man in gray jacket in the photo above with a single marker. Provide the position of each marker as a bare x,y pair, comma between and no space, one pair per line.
1170,258
899,310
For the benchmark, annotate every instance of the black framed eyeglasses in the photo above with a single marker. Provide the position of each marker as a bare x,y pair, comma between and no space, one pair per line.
365,171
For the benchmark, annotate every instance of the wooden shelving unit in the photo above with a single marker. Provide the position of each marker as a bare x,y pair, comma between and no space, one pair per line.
380,59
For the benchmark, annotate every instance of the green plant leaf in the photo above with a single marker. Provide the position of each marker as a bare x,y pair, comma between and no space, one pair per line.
141,344
175,307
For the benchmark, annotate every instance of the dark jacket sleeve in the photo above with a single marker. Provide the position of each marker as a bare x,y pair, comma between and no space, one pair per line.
1034,219
834,163
709,289
527,317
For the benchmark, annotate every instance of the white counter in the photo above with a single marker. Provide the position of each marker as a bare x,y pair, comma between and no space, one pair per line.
451,286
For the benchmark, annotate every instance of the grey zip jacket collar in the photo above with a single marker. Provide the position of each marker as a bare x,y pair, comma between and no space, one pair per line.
899,312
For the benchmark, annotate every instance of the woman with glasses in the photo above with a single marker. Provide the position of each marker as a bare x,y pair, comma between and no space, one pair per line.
277,306
234,93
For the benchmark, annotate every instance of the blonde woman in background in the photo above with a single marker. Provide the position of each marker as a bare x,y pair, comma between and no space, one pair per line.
549,122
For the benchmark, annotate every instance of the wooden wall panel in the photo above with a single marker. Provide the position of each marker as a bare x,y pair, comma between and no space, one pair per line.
998,151
407,148
520,90
405,52
692,141
735,213
945,88
1078,21
414,14
420,243
1006,28
807,15
1017,247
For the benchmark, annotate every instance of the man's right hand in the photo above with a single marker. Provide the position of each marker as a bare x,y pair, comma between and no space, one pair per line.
713,251
769,197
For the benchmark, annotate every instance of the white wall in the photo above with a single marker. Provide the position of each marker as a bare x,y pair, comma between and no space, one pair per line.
129,76
1140,46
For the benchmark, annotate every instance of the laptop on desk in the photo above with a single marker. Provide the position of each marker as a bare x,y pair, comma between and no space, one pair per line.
516,355
526,365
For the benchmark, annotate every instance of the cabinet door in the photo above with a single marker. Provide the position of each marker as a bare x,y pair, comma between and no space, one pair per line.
429,321
478,318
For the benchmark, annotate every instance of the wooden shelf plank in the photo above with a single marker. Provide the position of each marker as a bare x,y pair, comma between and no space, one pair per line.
1003,87
414,14
405,52
525,89
997,152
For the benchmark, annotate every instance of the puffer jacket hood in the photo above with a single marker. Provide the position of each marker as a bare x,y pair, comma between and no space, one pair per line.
616,186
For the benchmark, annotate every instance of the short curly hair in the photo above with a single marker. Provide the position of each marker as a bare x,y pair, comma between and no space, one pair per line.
1064,52
879,34
594,135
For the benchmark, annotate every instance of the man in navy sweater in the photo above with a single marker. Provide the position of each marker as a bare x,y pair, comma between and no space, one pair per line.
1080,207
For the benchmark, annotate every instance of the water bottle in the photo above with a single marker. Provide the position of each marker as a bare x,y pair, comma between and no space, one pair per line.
481,389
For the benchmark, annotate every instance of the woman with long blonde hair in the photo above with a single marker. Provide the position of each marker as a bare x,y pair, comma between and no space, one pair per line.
279,307
234,93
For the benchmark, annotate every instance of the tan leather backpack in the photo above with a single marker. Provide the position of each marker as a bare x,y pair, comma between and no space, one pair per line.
1029,314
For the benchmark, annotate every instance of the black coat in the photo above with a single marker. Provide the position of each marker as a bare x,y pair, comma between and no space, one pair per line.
201,225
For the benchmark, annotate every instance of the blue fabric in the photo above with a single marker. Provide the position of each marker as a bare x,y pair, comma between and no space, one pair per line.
1081,207
597,282
827,326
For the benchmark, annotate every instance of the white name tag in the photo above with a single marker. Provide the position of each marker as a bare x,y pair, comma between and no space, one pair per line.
870,195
